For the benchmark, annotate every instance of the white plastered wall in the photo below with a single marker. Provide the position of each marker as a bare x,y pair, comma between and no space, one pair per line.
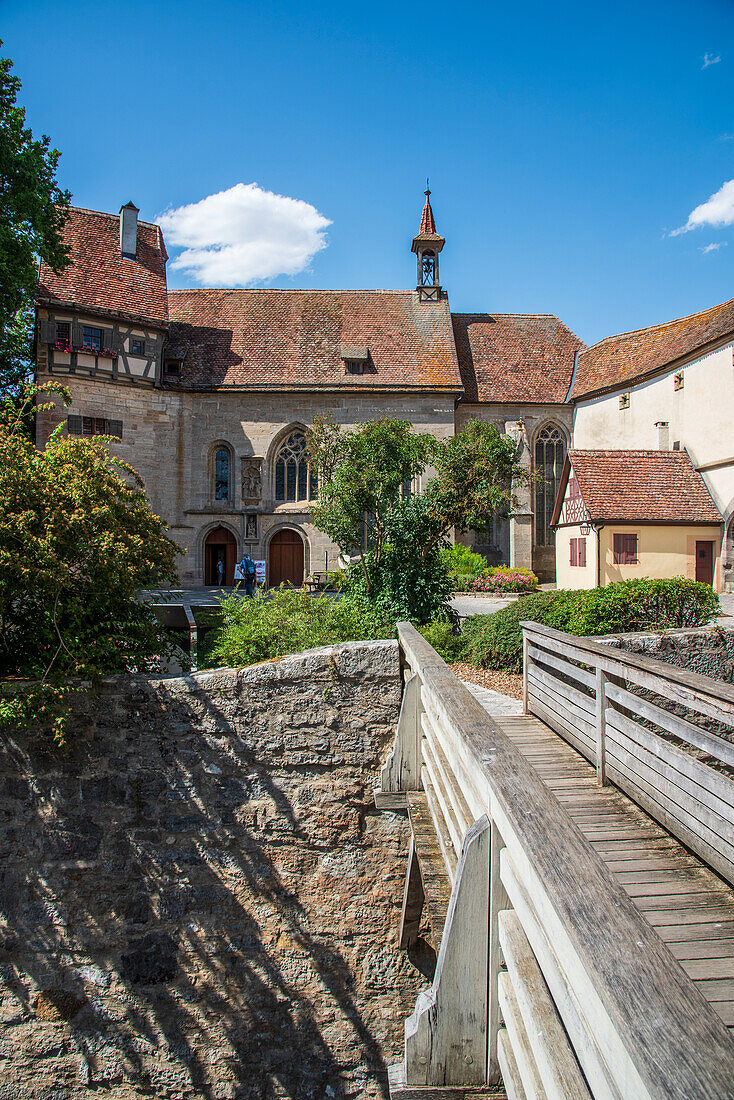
699,416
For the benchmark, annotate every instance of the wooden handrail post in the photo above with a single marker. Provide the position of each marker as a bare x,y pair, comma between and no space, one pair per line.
525,659
601,726
498,901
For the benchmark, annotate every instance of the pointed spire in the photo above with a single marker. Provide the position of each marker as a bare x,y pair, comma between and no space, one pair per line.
428,222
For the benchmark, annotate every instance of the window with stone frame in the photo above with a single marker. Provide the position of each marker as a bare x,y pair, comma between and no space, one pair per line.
549,455
294,478
221,475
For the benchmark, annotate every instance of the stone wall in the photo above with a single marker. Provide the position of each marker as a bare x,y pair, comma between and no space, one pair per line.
708,650
169,435
199,898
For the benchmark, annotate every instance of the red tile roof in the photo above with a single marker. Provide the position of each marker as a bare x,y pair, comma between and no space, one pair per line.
428,222
514,356
618,360
99,279
639,487
292,338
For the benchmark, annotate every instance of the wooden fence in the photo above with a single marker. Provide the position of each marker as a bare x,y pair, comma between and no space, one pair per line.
635,719
589,1002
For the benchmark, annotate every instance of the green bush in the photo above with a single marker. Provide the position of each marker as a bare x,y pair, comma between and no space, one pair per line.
441,635
463,562
495,641
271,624
402,585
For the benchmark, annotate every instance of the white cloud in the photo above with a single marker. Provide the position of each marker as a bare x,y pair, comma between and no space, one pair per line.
717,210
710,59
244,235
713,247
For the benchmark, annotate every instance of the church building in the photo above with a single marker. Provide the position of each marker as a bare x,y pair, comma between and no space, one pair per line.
210,393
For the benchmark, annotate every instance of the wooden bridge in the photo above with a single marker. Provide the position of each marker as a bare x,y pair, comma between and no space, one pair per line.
573,868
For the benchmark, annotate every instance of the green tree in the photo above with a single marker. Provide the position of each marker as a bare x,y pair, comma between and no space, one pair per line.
77,542
32,214
366,508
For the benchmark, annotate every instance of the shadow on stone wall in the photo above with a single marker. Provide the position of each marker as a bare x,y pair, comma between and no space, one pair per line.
198,896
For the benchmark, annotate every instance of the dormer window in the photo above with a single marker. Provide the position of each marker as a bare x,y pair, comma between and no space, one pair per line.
172,368
356,358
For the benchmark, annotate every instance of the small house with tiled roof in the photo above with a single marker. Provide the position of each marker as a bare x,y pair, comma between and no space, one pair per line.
626,514
211,392
669,387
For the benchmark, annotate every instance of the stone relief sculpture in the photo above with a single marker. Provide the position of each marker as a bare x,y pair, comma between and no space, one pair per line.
251,478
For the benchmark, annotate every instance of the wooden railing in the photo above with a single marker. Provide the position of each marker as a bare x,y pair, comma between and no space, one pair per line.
636,719
546,971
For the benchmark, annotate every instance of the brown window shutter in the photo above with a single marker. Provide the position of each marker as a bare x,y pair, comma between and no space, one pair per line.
77,334
619,549
74,425
574,551
582,553
631,549
47,332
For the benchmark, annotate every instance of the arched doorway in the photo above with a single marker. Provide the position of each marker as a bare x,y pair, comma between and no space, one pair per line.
285,559
220,546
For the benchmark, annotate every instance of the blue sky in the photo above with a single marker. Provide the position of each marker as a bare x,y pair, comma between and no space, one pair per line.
564,142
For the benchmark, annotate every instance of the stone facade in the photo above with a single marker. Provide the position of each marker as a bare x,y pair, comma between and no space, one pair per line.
199,898
186,375
170,438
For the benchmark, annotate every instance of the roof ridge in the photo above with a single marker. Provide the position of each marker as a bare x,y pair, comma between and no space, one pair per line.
493,314
660,324
107,214
285,290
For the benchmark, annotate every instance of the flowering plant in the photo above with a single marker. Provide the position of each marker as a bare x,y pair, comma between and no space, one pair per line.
500,580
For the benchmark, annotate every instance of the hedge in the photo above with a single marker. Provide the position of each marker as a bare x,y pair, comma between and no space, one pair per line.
495,641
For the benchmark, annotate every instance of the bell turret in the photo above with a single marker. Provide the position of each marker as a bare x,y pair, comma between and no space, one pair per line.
427,244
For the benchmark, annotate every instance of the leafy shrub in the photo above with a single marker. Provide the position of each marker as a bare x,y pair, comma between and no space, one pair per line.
441,635
287,620
403,585
463,562
335,579
495,641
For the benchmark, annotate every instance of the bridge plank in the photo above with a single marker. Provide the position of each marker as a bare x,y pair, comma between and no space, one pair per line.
435,879
689,906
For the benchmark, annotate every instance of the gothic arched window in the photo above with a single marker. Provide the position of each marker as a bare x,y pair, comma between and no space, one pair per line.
294,478
221,474
550,453
428,268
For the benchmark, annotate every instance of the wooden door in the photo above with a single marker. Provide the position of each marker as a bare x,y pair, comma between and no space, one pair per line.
220,546
705,562
285,559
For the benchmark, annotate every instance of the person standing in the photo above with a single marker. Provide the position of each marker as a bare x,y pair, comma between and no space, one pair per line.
249,572
220,571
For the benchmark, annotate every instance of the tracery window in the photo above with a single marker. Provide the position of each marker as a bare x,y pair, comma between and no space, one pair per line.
221,475
294,478
550,453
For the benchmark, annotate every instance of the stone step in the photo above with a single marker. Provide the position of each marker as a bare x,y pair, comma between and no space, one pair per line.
400,1091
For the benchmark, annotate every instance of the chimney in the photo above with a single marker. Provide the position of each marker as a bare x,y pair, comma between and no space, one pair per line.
663,435
129,231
